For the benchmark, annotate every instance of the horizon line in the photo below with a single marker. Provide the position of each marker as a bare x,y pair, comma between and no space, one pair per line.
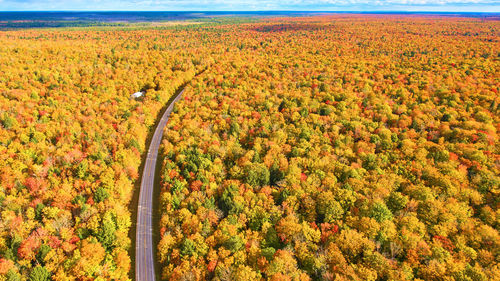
259,11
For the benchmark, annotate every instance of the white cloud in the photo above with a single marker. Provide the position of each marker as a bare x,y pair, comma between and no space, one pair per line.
464,5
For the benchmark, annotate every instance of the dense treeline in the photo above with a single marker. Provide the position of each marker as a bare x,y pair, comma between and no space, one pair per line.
71,141
9,25
341,147
338,148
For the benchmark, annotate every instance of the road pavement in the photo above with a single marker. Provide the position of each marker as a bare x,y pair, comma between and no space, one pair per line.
144,257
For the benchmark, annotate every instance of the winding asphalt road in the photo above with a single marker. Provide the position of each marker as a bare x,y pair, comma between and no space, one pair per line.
144,257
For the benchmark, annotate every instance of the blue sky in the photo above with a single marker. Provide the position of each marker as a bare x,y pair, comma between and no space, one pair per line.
252,5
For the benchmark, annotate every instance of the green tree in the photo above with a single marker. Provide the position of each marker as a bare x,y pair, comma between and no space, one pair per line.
380,212
397,201
81,171
39,273
42,252
188,247
234,243
257,174
107,231
328,207
101,194
227,202
13,276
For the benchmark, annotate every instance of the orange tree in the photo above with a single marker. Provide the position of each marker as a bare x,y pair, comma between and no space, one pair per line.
71,141
340,147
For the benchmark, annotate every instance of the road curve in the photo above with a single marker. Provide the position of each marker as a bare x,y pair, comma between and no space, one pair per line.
144,257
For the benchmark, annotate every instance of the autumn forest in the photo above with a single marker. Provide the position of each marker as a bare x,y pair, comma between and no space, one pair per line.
335,147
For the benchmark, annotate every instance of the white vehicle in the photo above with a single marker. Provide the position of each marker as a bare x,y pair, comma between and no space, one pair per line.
137,95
